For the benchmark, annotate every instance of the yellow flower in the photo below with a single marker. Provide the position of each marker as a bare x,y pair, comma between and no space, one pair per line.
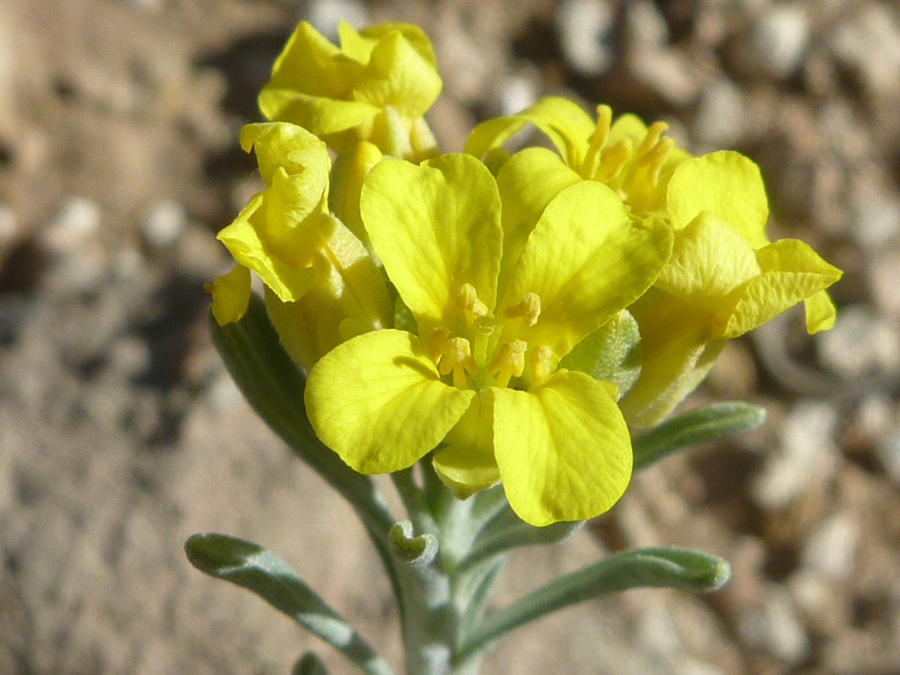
322,286
480,376
724,279
375,87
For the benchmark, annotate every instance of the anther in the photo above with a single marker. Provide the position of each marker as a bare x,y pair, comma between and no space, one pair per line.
467,299
457,359
510,360
541,360
528,310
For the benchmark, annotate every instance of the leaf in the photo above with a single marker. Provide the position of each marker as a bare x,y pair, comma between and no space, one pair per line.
643,568
252,567
696,426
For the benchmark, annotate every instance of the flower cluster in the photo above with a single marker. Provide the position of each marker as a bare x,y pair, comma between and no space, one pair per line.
508,315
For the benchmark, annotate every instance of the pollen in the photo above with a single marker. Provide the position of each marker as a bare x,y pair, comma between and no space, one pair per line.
528,310
509,362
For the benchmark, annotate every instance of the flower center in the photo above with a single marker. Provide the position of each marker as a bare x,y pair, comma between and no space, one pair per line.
481,359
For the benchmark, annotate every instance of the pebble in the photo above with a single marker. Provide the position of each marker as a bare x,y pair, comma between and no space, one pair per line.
517,92
807,453
860,343
887,450
584,30
875,216
831,546
73,224
775,627
869,45
721,115
779,40
325,15
9,227
163,223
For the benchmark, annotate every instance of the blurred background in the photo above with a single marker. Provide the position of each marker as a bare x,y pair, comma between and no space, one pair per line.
121,434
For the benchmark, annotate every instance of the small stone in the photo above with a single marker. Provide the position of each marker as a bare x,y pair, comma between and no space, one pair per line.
74,223
779,40
860,343
887,450
325,15
869,45
517,92
807,453
163,223
831,546
775,627
584,29
9,227
875,216
721,115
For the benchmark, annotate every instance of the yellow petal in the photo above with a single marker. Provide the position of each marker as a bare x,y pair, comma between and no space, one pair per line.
467,464
242,239
586,260
231,295
565,123
792,272
377,400
728,185
563,449
527,182
710,261
436,227
292,149
820,313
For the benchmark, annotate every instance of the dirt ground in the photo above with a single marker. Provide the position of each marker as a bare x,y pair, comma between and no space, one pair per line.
121,434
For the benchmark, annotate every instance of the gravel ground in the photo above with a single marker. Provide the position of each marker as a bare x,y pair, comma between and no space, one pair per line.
120,433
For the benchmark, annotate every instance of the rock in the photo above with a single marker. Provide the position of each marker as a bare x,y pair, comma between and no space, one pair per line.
517,92
807,453
74,224
860,343
9,227
325,15
869,46
887,449
721,115
779,40
163,223
775,627
875,215
584,28
831,546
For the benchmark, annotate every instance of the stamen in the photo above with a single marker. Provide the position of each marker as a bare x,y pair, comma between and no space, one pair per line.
510,360
656,159
541,358
457,358
436,342
613,160
598,139
467,299
528,310
656,130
